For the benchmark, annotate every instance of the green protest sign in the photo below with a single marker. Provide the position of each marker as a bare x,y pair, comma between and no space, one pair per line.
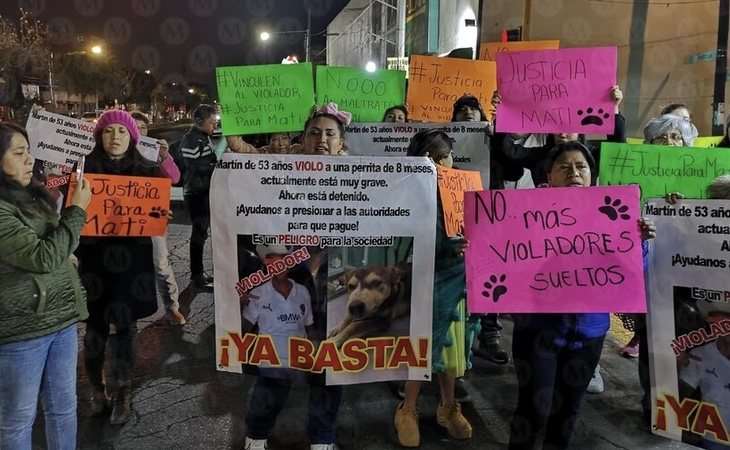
264,99
659,169
366,95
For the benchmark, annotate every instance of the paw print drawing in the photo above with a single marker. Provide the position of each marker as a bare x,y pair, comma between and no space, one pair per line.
614,209
157,212
593,119
496,287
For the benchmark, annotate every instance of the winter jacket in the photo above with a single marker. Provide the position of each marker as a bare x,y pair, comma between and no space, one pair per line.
118,272
40,291
200,159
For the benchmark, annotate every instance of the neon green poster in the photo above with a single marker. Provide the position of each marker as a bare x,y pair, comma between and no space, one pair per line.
366,95
264,99
659,169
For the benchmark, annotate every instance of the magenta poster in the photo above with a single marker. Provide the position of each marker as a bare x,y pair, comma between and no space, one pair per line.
554,250
557,91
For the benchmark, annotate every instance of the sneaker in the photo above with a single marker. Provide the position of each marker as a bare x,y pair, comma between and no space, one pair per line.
450,417
631,350
492,352
406,426
461,395
596,384
202,280
255,444
322,447
175,317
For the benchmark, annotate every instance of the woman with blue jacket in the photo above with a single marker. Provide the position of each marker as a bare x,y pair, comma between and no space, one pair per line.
555,354
41,300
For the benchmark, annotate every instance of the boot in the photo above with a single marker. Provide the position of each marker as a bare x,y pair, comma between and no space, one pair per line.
99,400
450,417
121,403
406,426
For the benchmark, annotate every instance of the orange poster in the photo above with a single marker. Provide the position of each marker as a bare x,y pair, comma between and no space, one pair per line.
452,184
488,50
125,206
434,85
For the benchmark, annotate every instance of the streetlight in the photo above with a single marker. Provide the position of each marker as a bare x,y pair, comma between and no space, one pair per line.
371,66
96,50
265,35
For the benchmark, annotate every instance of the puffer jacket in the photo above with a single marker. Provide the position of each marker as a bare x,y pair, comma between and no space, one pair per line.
40,291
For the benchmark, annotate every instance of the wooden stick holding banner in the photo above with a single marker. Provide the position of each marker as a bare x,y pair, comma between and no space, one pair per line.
125,206
554,250
453,183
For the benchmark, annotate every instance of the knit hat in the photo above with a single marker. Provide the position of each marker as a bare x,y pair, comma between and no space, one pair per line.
117,116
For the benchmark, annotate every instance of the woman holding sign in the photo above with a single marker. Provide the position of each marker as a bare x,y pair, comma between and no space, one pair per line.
118,273
41,300
448,290
556,354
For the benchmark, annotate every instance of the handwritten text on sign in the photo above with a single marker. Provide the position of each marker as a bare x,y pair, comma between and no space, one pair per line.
264,99
488,50
125,206
452,185
434,84
366,95
554,250
660,169
557,91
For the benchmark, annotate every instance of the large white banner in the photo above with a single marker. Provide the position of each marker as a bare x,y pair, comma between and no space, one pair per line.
359,235
689,321
471,145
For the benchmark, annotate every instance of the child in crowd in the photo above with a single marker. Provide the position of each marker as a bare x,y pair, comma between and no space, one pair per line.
449,285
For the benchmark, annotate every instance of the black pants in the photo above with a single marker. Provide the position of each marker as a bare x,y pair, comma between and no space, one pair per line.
552,382
199,208
123,346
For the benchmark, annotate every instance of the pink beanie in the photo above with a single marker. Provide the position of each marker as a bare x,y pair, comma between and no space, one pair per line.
117,116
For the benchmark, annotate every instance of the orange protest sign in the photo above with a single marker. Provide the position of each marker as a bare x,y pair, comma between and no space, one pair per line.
488,50
125,206
434,85
452,184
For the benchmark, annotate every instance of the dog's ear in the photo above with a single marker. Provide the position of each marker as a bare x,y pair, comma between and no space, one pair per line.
345,277
397,273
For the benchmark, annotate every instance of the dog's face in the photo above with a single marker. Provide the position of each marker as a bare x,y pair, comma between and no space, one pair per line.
368,287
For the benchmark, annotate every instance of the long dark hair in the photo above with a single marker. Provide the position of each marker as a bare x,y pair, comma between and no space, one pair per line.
569,147
132,157
432,142
36,189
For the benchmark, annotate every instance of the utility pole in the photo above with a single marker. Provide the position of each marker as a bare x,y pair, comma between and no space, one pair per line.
307,34
718,100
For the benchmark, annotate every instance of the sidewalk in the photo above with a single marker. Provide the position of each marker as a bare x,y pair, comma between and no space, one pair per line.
181,402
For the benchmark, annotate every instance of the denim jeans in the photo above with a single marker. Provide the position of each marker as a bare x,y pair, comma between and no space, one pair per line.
164,275
199,209
552,383
269,396
45,366
491,329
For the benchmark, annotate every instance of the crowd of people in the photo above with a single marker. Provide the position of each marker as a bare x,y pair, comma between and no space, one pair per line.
52,278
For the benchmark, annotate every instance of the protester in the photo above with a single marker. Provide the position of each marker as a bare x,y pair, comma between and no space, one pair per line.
279,143
556,354
681,110
531,150
448,291
200,158
397,114
669,129
164,275
263,306
117,272
484,331
41,300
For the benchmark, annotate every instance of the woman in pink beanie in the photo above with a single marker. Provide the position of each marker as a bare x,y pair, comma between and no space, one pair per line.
118,274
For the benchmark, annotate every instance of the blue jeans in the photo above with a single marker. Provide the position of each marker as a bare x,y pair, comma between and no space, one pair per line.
552,382
269,396
164,275
45,366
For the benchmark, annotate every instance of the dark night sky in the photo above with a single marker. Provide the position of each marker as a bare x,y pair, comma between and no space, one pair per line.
182,40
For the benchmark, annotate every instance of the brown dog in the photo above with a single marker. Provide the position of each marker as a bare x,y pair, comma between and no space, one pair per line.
376,296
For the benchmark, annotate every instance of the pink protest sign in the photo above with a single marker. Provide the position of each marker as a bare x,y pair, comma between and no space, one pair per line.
554,250
556,91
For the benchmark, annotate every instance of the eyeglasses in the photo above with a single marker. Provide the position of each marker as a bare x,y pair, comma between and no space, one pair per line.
668,137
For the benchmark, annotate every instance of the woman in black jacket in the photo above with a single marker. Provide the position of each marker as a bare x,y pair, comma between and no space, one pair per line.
118,273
